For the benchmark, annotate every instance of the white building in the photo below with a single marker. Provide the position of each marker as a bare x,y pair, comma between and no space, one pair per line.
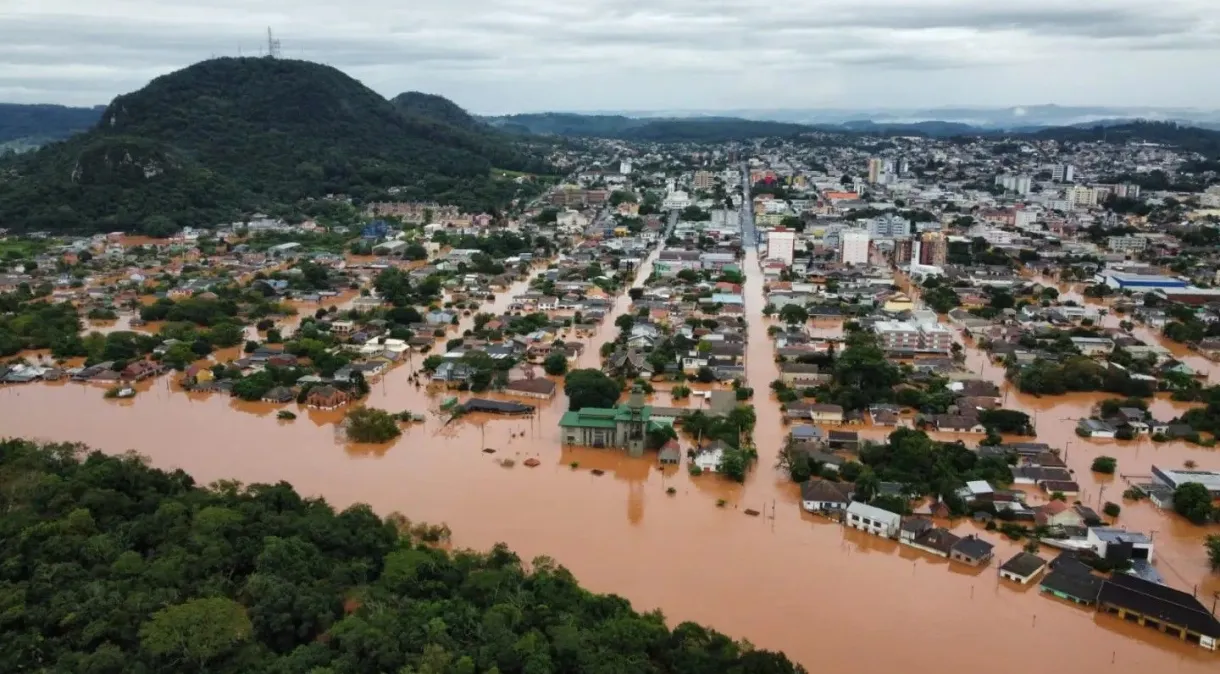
889,226
1014,183
853,246
874,520
1064,173
914,337
676,200
781,245
1026,219
1126,244
1101,538
624,167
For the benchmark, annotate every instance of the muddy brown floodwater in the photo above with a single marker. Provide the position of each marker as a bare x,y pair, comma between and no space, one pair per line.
784,580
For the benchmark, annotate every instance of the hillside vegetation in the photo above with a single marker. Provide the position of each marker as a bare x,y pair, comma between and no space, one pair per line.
234,135
108,566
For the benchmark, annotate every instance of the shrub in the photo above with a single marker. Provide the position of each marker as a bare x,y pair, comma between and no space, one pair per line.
1111,509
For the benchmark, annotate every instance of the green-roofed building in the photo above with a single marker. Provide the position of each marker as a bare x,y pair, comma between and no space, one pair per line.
625,426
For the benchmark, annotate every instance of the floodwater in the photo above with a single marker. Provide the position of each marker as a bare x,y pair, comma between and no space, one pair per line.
784,580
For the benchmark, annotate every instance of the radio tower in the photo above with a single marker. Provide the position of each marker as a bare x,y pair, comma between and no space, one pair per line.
273,45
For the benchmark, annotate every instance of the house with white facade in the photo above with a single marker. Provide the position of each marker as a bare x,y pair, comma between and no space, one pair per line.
874,520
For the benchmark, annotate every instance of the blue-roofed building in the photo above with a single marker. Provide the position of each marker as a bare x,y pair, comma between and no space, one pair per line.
1139,282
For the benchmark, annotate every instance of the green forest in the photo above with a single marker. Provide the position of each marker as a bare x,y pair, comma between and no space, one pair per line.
232,136
110,566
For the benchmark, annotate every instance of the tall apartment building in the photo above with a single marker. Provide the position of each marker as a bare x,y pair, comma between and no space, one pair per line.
624,167
1082,197
903,250
704,180
1120,190
914,337
933,249
853,246
781,245
889,226
880,170
1063,173
1019,184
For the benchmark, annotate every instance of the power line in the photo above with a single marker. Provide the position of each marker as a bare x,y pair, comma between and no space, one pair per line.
273,45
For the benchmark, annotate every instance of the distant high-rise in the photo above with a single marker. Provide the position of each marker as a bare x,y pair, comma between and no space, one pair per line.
1063,173
624,167
1014,183
933,249
703,180
876,167
853,246
889,226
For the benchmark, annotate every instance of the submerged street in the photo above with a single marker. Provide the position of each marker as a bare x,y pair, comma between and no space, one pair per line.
783,579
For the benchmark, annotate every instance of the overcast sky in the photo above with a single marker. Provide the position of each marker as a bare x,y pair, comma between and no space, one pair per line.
498,56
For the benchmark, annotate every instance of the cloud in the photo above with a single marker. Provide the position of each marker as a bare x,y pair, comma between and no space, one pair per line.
516,55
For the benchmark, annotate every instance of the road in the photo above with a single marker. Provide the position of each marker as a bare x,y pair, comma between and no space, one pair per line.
749,236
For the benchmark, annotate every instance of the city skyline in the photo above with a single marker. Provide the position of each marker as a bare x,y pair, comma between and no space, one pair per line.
506,56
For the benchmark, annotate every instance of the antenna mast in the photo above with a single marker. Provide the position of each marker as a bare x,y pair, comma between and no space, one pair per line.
273,45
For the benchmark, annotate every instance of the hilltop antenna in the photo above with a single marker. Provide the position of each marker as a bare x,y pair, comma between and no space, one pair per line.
273,45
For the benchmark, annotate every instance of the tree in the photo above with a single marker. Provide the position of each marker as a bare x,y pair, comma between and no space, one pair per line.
1111,509
368,424
793,314
590,388
1193,501
1105,464
556,363
198,630
1213,551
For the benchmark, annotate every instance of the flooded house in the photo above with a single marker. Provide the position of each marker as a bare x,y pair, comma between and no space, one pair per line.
972,550
1022,567
326,397
1163,608
540,388
624,426
825,496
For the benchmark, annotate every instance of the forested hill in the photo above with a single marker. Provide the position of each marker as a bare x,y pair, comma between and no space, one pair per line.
108,566
437,108
232,135
1191,138
44,122
431,114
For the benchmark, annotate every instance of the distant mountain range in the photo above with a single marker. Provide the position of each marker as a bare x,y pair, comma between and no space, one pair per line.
1196,136
24,126
1017,118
